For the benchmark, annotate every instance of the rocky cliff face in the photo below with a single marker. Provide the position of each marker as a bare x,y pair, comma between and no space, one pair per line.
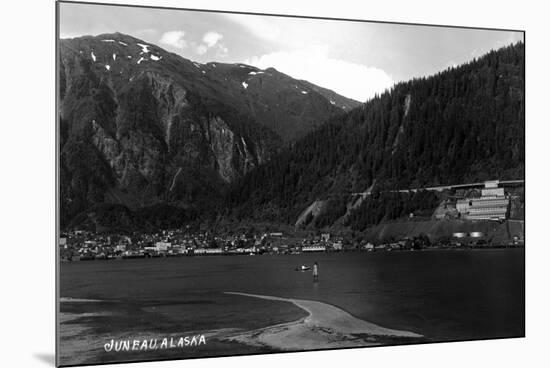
139,125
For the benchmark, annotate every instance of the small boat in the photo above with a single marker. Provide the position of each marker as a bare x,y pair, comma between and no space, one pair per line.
302,268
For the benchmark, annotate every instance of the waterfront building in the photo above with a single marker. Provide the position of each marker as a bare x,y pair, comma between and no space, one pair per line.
369,247
314,248
120,248
162,246
178,250
476,234
253,249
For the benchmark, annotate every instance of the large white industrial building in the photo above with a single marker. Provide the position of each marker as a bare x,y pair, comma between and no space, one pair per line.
492,205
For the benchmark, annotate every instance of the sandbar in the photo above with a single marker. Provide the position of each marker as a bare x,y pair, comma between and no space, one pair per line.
325,327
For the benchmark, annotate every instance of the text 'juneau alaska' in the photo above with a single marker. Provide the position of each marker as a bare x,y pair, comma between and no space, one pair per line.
154,344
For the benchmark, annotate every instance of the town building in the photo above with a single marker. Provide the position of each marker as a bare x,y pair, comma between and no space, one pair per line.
337,245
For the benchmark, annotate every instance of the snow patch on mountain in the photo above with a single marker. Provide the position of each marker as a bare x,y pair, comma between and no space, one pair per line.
144,48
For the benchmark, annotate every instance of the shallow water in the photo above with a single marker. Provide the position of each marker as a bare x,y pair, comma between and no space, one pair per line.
442,295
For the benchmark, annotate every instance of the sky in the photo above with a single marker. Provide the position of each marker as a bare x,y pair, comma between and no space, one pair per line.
353,58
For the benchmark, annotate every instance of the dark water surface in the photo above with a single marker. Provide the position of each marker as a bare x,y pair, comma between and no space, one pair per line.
443,295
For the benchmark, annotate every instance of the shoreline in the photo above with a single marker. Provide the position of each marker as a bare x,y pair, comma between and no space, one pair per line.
325,327
64,261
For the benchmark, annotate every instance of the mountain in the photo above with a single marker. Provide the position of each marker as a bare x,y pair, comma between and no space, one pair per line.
464,124
289,107
140,126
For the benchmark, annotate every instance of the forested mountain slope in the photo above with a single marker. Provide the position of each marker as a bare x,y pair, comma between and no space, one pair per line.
461,125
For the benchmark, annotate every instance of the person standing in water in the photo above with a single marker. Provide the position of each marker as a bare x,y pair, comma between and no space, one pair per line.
315,271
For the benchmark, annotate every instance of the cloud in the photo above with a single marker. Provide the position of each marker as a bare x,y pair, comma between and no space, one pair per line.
201,49
174,39
146,32
314,64
222,51
262,27
63,35
211,38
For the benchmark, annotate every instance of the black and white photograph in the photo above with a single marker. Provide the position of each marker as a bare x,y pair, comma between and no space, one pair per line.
236,184
290,183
